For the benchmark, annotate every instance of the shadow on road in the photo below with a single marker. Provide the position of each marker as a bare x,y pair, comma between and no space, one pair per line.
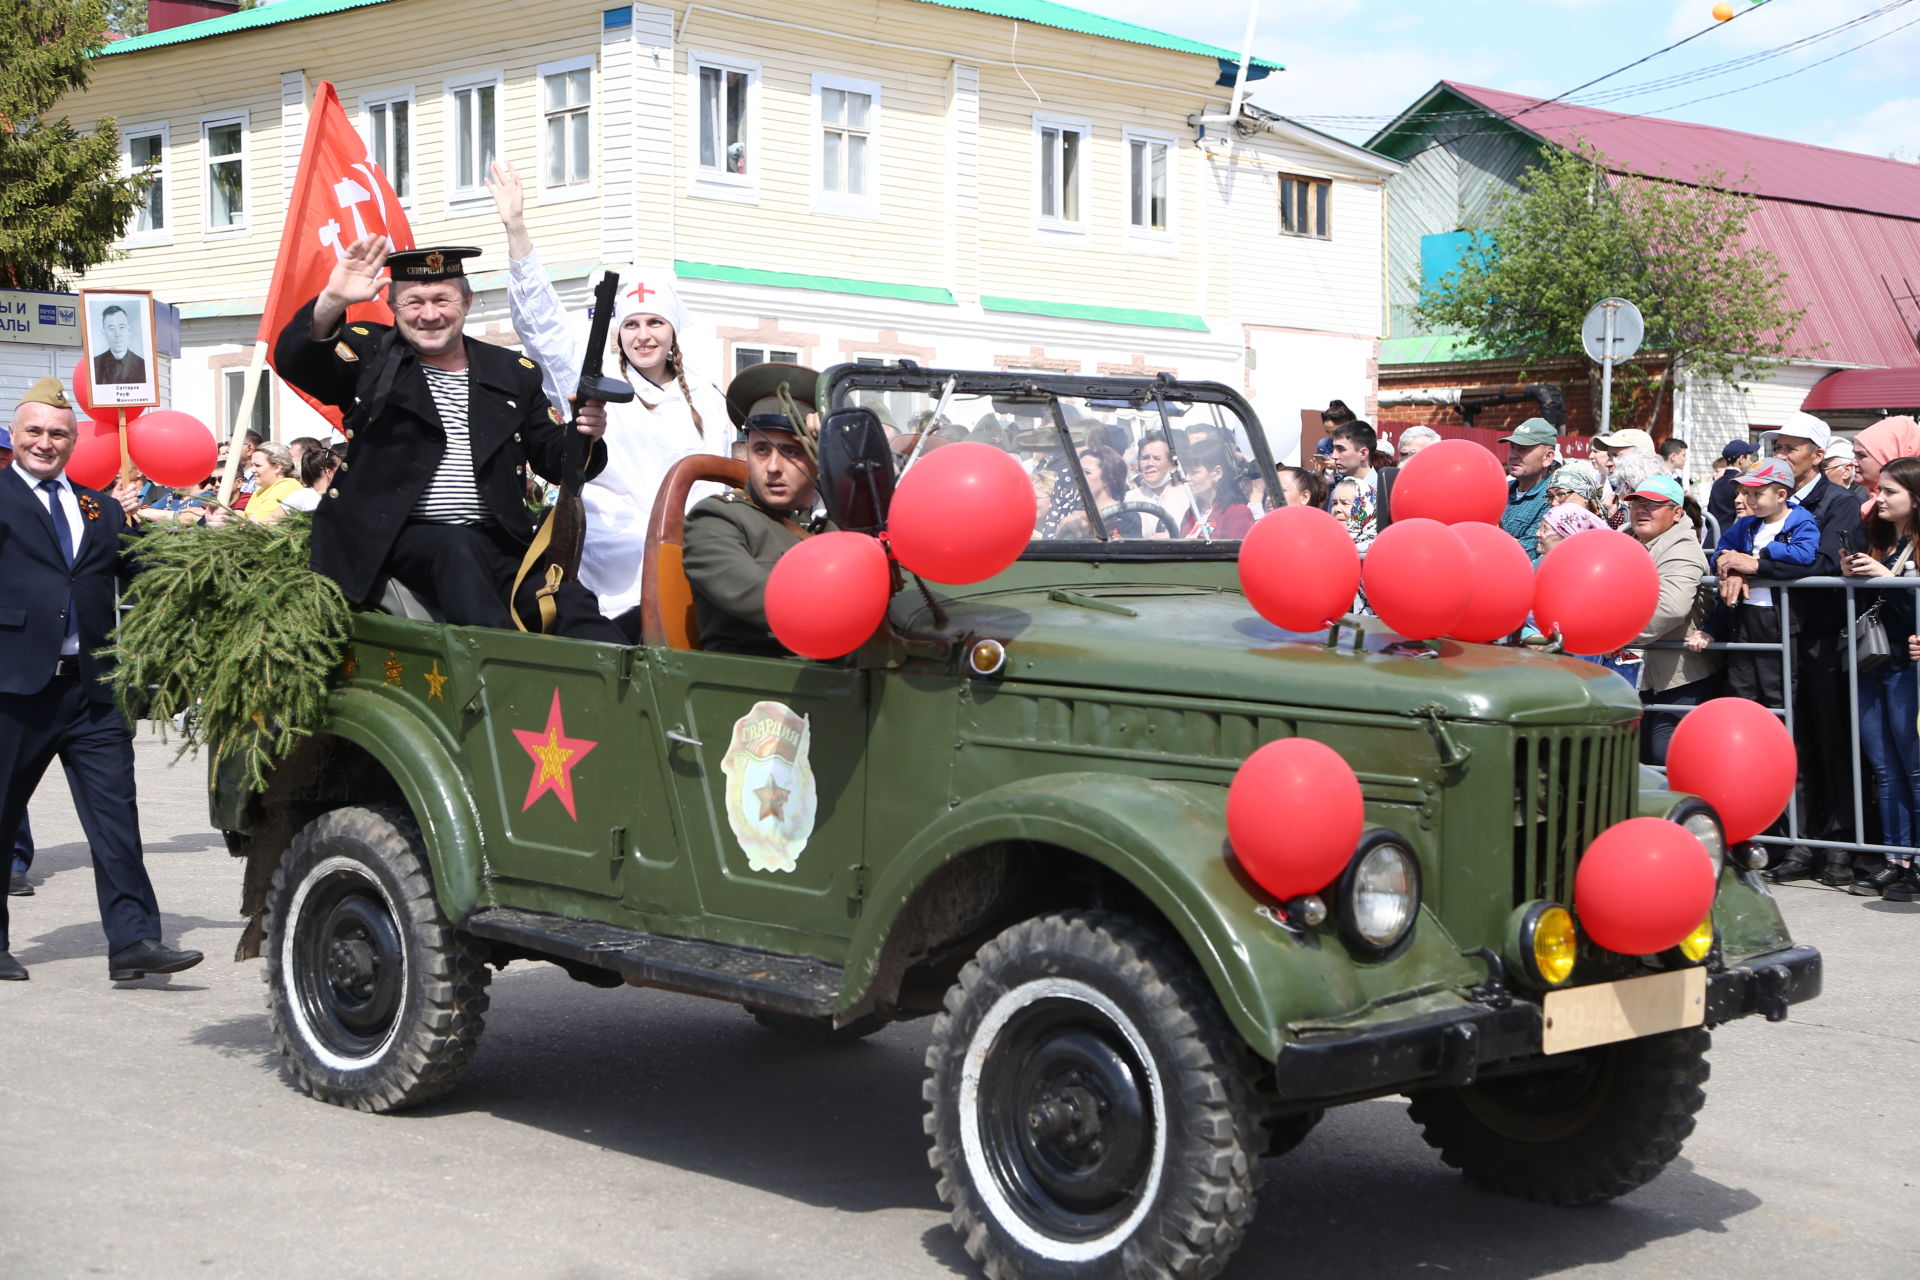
699,1086
82,938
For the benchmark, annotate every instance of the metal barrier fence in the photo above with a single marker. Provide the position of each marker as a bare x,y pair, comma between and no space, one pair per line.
1783,597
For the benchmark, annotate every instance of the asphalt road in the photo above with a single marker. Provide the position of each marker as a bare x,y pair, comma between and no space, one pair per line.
145,1130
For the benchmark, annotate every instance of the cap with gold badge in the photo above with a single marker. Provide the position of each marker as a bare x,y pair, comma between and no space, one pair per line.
424,266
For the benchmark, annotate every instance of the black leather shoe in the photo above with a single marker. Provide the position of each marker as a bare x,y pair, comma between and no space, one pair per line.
1905,889
1879,882
18,886
11,970
1837,875
148,956
1791,869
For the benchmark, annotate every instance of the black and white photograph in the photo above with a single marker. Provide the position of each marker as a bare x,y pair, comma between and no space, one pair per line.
118,343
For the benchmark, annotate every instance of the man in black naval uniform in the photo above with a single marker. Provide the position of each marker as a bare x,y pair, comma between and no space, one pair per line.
733,540
442,431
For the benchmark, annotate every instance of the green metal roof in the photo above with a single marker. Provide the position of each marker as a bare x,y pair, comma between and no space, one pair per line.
246,20
826,284
1432,348
1045,13
1042,13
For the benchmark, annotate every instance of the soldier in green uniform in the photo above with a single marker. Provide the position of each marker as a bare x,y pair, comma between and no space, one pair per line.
733,540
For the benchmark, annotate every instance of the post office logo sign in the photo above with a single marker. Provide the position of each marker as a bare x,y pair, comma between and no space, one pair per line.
771,795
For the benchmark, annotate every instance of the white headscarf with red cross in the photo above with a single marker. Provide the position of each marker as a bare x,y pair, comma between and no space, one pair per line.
650,293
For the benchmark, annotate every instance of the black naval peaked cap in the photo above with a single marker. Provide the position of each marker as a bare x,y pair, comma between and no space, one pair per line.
424,266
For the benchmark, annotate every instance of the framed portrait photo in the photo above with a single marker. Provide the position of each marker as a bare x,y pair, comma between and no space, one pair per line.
116,338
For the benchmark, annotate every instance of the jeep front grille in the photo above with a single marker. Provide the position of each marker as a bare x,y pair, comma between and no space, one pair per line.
1568,786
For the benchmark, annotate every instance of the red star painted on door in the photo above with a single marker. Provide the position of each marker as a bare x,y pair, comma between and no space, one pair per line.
554,754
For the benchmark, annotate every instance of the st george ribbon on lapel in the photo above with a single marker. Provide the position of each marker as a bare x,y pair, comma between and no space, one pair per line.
64,536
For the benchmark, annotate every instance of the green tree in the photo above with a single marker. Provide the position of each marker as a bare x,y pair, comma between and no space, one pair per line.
63,200
1715,304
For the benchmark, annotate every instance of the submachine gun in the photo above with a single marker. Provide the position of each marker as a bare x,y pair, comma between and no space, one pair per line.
554,555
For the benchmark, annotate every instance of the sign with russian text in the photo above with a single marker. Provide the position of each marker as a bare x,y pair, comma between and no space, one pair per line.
50,319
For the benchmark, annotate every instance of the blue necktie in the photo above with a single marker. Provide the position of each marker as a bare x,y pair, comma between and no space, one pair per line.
64,536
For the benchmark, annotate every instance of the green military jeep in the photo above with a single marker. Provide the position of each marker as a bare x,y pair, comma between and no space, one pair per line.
1006,811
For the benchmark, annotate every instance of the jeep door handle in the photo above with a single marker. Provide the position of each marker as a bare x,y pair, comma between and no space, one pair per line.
674,735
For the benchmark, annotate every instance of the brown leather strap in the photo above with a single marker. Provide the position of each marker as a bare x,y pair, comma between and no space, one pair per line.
542,539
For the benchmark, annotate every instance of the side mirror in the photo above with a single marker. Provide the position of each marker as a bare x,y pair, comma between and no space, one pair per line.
856,470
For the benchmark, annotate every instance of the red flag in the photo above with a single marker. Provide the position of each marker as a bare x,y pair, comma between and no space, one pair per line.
339,195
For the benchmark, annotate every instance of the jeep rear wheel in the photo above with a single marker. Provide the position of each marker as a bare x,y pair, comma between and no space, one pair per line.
376,1001
1090,1106
1604,1123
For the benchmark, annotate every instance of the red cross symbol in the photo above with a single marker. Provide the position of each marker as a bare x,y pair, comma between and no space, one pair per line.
641,293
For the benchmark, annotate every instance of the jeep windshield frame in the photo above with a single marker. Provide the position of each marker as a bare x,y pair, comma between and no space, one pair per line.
1153,405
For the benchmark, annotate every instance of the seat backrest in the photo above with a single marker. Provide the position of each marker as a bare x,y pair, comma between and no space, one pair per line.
397,600
666,598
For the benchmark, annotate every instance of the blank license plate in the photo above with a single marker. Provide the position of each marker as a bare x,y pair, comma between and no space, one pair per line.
1625,1010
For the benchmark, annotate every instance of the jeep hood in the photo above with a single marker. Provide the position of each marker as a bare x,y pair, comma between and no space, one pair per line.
1208,642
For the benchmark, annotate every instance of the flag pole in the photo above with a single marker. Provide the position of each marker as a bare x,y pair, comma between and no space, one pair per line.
242,417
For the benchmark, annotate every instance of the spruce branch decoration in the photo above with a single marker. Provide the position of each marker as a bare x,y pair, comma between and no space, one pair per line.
230,626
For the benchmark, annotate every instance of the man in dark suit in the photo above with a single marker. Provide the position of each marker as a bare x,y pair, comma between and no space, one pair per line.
119,363
443,430
61,545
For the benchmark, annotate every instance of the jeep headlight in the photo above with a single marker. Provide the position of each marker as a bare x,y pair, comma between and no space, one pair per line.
1698,817
1542,944
1378,898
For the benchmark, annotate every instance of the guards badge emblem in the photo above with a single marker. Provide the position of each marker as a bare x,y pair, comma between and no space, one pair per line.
771,795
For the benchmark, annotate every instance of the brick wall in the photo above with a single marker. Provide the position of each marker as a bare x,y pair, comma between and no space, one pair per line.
1577,378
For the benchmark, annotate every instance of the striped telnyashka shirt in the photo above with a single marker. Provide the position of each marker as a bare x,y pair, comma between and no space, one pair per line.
452,497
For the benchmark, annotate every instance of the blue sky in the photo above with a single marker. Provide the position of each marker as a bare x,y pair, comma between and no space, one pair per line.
1373,58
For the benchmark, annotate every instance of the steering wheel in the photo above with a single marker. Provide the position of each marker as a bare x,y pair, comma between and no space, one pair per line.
1153,509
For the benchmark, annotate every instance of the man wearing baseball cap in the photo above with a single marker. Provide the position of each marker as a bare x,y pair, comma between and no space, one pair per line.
1529,461
1737,457
1823,730
1656,512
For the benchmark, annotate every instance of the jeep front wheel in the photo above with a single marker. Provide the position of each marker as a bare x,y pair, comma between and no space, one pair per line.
1090,1106
1597,1126
376,1000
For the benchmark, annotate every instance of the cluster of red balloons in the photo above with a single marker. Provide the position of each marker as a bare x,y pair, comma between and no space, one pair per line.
169,447
961,514
1294,814
1643,885
1445,568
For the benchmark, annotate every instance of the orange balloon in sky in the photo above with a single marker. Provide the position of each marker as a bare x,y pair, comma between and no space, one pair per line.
1722,12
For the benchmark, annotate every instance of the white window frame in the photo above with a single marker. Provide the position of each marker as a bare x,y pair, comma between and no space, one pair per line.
840,203
715,183
1049,225
767,354
207,160
386,98
459,198
232,382
135,239
1155,240
583,190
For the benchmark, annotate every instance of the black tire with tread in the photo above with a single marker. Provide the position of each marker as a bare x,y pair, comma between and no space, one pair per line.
442,999
1619,1123
1210,1169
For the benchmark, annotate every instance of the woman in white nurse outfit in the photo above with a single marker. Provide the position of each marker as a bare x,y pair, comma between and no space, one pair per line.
672,416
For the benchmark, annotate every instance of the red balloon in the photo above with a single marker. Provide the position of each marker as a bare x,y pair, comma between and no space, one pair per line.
1643,885
1738,757
961,514
826,594
1501,578
172,448
95,462
1599,588
1417,577
103,413
1294,814
1298,568
1452,481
